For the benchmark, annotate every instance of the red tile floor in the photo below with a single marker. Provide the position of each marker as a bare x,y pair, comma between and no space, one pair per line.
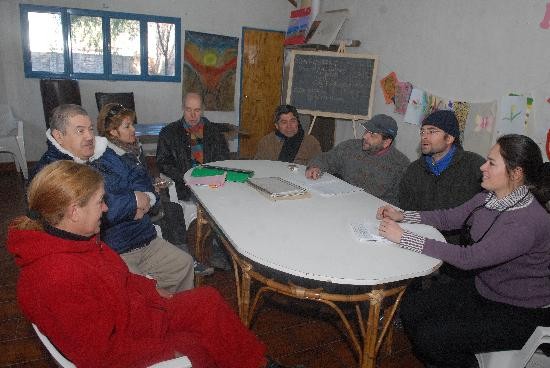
295,332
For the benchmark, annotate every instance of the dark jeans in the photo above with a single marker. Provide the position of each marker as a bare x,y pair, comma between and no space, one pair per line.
448,323
172,223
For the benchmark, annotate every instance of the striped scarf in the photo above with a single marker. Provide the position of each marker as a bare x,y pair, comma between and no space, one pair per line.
196,133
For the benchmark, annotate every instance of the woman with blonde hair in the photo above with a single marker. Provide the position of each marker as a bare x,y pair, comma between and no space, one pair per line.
81,295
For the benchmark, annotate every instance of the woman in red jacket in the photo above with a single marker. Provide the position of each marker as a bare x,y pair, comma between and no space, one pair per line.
81,295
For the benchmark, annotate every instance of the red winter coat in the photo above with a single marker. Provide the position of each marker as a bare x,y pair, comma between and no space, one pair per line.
98,314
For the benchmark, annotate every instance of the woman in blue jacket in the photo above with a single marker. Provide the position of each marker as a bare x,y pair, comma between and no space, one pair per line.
127,227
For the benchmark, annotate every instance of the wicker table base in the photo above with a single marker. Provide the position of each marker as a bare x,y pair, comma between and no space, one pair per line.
371,334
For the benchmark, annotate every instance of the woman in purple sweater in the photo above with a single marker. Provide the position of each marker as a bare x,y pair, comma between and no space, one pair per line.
507,228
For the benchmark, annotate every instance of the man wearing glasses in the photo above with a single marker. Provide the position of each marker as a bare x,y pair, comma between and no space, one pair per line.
371,163
445,176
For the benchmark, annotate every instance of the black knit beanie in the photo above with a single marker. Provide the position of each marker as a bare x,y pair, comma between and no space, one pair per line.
444,120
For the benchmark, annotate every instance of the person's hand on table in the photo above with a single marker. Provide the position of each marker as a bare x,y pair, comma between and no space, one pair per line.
389,212
390,230
313,172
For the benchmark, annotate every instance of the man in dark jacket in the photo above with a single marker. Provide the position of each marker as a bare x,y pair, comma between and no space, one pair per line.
190,141
126,227
445,176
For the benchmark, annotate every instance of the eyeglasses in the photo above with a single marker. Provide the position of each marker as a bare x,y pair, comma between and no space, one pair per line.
430,131
370,132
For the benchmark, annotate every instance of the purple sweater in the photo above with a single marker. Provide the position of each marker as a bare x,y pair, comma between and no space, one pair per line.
513,258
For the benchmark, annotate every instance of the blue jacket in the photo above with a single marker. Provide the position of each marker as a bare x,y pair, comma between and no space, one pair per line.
123,174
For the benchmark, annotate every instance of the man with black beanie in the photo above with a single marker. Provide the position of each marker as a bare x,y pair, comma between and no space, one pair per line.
445,176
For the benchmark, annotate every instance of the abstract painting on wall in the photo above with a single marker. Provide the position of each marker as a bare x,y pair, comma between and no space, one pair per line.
209,68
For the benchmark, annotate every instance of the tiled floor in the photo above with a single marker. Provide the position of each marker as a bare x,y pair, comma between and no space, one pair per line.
295,332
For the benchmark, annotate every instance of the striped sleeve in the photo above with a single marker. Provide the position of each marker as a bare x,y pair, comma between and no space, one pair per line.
411,217
412,242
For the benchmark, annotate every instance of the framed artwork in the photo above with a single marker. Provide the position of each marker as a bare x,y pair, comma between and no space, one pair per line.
209,68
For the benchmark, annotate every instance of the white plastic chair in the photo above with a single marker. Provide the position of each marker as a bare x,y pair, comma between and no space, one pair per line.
528,356
181,362
189,207
12,140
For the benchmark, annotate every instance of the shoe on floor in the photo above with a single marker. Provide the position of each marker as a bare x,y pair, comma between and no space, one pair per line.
202,269
219,258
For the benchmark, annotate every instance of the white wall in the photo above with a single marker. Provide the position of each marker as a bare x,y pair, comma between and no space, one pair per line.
467,50
155,101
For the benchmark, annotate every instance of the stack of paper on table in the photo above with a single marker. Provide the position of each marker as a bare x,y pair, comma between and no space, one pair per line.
366,231
327,185
276,188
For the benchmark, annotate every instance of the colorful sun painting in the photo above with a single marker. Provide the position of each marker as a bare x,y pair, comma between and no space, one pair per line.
209,68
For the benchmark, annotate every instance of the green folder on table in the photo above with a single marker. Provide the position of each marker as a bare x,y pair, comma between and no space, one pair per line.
235,175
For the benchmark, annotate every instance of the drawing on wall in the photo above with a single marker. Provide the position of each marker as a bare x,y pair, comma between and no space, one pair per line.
461,110
402,93
421,104
416,109
512,115
388,87
210,66
480,124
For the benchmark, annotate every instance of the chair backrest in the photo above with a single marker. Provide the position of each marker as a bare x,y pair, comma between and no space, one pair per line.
57,356
126,99
7,121
57,92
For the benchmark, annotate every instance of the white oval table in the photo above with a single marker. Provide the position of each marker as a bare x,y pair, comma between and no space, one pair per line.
310,238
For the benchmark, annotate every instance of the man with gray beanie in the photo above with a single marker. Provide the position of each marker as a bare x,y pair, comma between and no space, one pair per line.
445,176
372,163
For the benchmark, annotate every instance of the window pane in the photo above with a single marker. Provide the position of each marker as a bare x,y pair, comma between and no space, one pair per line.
125,50
46,42
162,48
86,44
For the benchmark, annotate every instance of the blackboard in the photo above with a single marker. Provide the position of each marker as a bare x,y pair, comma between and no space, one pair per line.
332,84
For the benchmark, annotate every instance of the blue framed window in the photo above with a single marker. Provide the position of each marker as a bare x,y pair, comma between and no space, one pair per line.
91,44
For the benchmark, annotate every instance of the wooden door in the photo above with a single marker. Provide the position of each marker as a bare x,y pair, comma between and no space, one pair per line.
261,78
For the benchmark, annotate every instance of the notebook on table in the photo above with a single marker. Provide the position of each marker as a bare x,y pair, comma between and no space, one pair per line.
276,188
